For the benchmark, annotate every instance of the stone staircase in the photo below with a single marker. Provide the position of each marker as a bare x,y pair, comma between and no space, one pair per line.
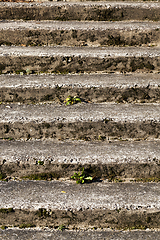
107,54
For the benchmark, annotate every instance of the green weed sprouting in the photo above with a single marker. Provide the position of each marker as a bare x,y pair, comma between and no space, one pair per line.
61,227
40,162
80,177
72,100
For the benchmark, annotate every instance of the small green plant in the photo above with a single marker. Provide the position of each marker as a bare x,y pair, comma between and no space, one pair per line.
3,227
101,138
10,139
28,71
61,227
72,100
80,177
40,162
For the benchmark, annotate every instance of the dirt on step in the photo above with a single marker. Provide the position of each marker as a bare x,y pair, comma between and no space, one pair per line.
79,64
67,11
112,37
97,218
99,130
92,94
37,170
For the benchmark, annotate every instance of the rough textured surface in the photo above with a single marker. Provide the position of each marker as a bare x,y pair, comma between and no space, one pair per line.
74,33
11,113
16,234
138,160
80,152
79,59
82,51
81,121
89,87
86,219
101,11
120,81
95,205
34,195
133,204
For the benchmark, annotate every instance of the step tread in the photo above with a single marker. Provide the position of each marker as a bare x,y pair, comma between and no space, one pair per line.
49,234
82,80
148,4
34,195
76,33
100,52
81,112
79,152
79,25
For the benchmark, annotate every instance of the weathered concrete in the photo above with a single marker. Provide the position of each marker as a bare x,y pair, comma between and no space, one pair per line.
89,87
81,121
120,205
97,11
123,160
34,195
74,33
97,203
79,59
47,234
80,152
119,81
11,113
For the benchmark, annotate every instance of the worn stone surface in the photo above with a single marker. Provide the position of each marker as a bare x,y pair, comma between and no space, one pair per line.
89,87
74,33
43,194
79,59
81,112
95,205
81,121
16,234
80,152
82,51
97,11
138,160
119,81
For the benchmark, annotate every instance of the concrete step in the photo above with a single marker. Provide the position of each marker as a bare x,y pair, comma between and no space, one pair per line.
115,161
62,203
74,33
95,88
47,234
54,203
79,59
97,11
80,121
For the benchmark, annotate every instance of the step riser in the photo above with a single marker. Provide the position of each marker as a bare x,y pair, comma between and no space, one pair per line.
96,95
54,159
65,12
116,219
113,172
81,130
78,64
80,37
117,205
